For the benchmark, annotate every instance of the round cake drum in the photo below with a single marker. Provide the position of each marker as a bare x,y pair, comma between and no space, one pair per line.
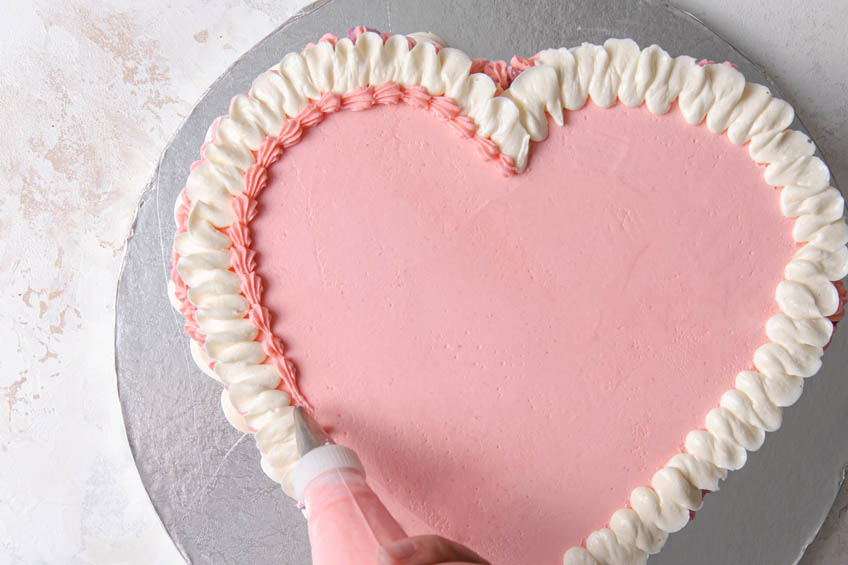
203,476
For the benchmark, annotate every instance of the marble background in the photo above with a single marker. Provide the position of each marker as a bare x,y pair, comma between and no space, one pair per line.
90,93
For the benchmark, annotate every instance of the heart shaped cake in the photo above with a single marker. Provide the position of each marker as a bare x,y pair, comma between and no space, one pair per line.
550,303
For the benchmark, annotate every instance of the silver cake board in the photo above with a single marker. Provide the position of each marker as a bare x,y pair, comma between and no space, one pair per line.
203,477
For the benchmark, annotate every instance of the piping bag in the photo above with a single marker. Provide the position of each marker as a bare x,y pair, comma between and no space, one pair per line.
347,522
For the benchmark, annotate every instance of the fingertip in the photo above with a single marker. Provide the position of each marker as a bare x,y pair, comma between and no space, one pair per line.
395,552
383,557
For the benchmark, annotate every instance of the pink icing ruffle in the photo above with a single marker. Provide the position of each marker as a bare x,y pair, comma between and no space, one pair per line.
243,257
705,62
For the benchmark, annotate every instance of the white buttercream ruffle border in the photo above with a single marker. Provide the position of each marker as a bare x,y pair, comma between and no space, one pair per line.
560,79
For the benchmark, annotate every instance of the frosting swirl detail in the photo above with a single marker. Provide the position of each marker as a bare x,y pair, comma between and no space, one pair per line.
253,403
501,108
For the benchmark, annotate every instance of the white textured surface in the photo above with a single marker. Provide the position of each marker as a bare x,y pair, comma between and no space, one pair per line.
89,97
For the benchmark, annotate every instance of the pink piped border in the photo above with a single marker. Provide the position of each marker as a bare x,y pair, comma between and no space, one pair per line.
243,257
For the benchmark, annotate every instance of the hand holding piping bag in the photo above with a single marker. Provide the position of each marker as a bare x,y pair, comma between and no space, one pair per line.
348,525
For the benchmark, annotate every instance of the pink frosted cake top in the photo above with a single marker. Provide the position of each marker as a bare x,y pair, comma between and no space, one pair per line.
512,355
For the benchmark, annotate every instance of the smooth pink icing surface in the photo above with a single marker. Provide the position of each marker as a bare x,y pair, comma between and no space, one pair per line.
511,356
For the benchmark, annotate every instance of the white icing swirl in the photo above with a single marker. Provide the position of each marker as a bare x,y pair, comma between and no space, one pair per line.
561,79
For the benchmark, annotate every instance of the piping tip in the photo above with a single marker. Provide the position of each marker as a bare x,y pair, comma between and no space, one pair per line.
308,434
